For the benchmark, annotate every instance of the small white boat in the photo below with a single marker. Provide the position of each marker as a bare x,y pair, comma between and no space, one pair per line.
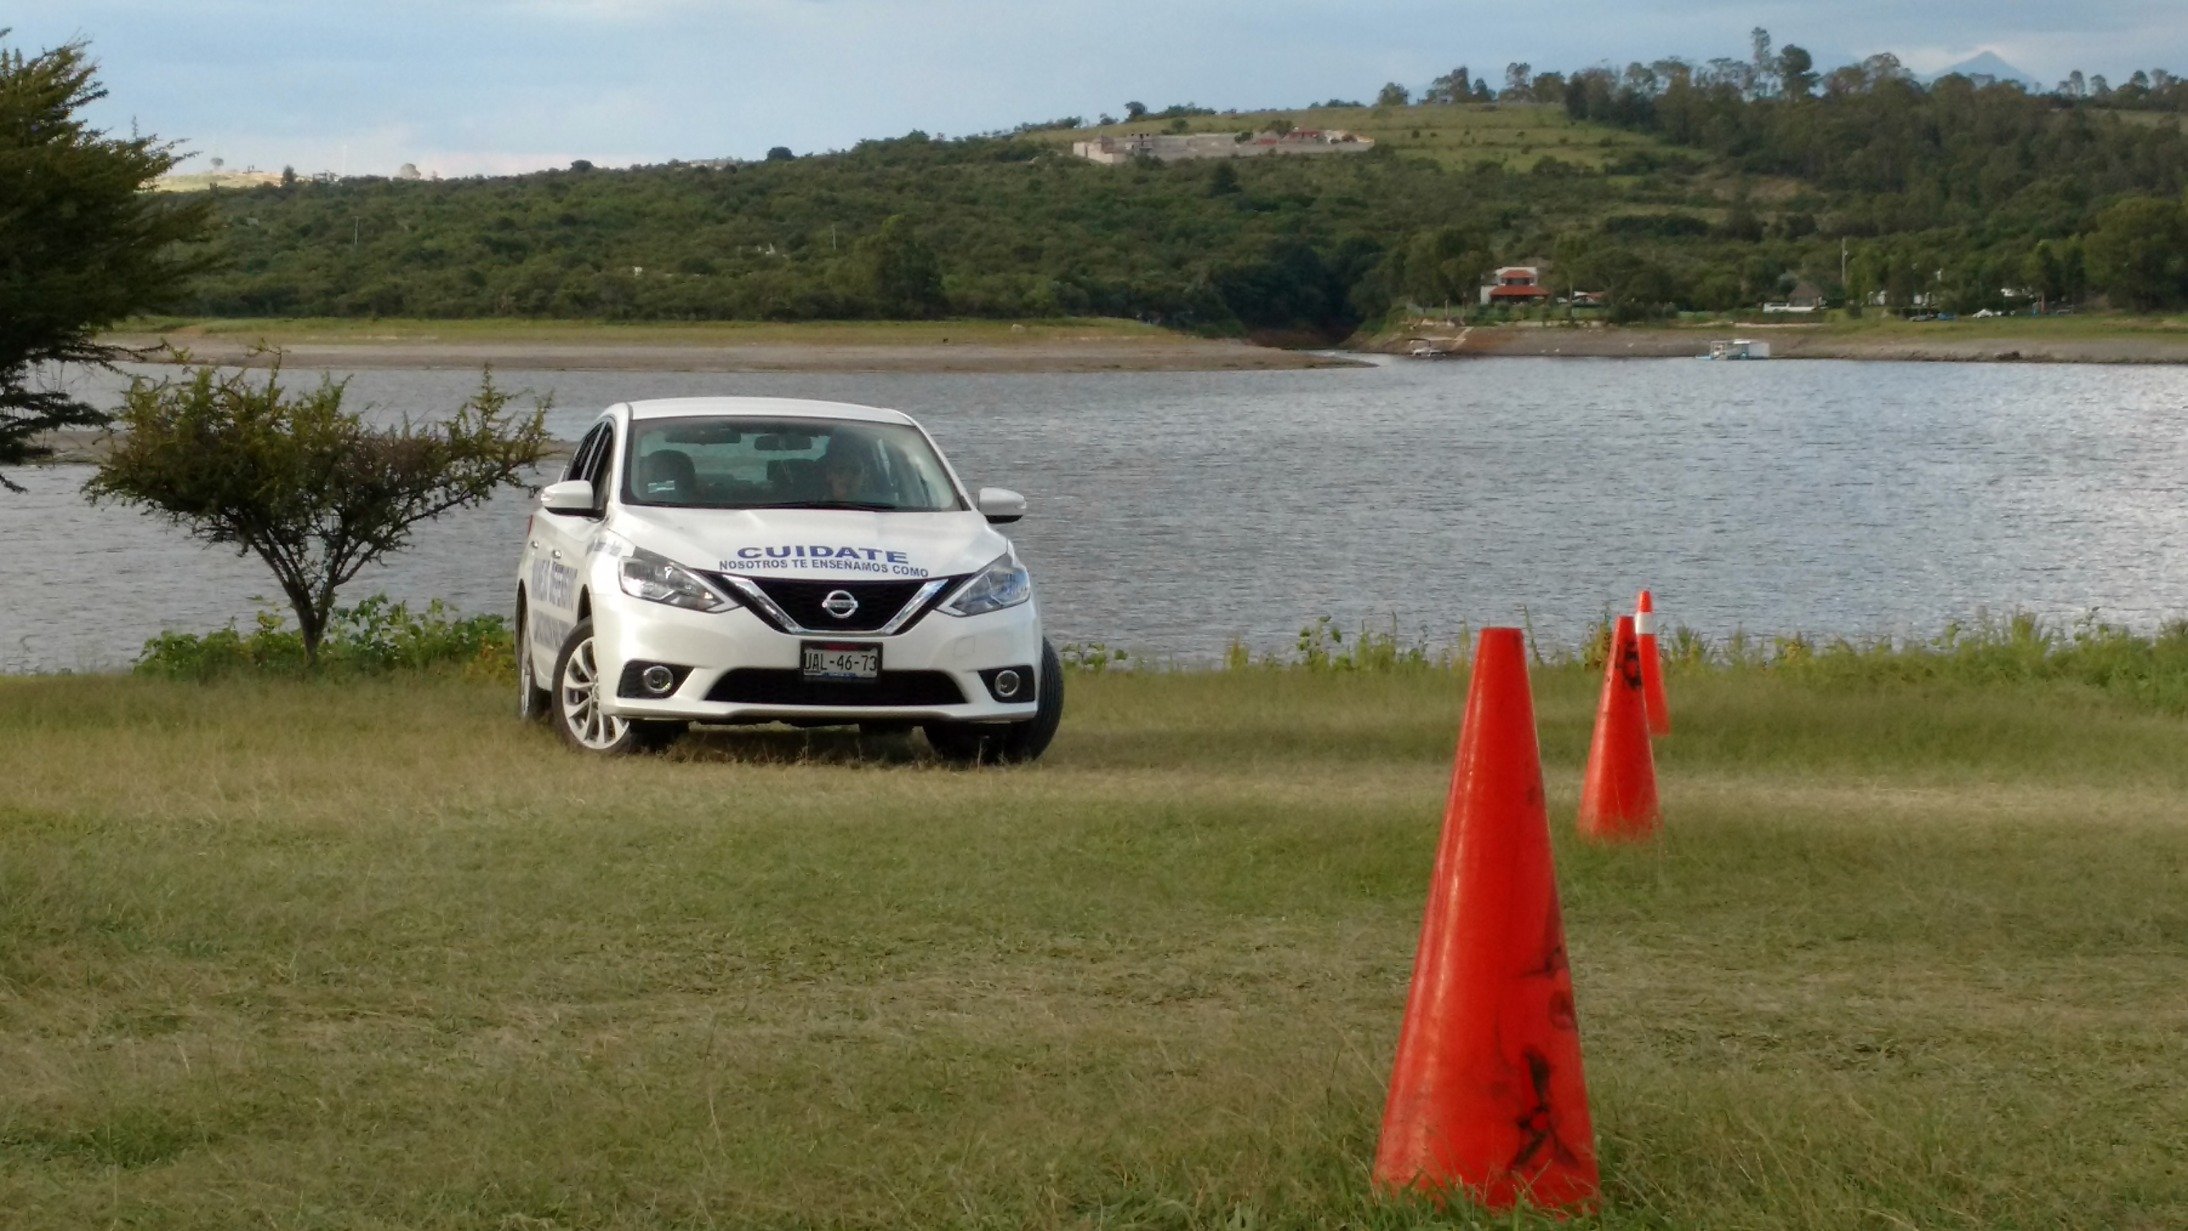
1738,348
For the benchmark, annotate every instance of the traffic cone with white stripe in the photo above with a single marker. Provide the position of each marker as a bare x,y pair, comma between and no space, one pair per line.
1487,1098
1652,667
1618,795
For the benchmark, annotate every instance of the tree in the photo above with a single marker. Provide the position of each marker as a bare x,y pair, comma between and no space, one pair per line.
1134,110
780,153
2139,254
1393,95
1518,76
1456,86
1796,72
309,488
82,243
1442,266
898,271
1763,66
2044,272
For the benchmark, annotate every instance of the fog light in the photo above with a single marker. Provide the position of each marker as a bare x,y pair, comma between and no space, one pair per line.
1006,684
658,679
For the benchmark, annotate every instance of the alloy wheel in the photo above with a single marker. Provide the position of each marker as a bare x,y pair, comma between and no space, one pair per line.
590,724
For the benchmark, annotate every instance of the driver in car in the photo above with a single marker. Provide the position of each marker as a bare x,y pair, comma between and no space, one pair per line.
847,473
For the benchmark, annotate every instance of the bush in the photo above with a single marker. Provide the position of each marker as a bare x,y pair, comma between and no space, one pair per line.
2151,670
376,636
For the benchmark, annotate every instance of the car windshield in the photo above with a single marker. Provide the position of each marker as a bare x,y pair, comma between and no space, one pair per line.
759,463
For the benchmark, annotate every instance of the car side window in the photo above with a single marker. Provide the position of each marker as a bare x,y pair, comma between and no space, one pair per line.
582,460
596,469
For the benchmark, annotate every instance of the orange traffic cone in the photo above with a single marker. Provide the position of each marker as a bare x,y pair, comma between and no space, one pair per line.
1618,796
1487,1098
1652,667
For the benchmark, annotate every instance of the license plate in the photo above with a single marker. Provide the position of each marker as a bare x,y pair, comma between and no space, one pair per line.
841,660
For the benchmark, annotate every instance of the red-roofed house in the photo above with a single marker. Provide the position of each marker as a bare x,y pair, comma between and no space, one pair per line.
1515,285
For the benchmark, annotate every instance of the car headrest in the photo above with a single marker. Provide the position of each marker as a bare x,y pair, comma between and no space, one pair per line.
668,475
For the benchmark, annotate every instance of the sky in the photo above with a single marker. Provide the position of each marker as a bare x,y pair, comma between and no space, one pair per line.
465,87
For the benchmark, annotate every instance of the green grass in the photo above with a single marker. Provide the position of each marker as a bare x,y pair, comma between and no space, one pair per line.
370,954
2090,325
388,330
1514,136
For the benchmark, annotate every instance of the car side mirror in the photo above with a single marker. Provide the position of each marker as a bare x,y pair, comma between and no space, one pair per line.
568,496
999,506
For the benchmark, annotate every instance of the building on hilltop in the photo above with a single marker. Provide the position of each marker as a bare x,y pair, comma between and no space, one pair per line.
1185,147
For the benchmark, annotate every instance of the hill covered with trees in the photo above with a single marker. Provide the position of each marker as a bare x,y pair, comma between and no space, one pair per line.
1667,186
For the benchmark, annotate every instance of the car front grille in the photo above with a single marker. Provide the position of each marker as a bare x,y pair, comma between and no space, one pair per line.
785,686
804,601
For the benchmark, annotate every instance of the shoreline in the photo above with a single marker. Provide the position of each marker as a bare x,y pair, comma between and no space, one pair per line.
922,346
1103,345
1956,342
988,347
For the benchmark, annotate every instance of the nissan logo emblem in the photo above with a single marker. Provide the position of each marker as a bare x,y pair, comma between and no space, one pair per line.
840,604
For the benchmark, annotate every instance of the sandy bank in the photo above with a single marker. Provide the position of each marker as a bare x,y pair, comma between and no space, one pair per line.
1162,353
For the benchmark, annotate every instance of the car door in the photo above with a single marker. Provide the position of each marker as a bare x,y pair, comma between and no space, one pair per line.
557,548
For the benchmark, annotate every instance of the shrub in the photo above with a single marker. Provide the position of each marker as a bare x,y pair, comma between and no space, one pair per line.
376,636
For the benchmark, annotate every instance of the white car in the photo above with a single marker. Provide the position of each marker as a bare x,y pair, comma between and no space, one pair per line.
743,560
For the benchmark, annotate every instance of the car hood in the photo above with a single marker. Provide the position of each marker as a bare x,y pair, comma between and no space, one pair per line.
845,544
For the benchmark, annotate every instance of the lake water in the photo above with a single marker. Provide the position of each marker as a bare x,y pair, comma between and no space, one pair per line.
1174,511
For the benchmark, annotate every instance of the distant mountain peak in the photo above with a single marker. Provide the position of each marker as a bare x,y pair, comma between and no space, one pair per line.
1990,64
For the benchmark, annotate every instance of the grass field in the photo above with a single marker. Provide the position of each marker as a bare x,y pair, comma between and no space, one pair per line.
2095,326
369,954
1514,135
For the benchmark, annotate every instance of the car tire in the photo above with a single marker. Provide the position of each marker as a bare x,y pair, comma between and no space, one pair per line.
577,705
533,702
970,743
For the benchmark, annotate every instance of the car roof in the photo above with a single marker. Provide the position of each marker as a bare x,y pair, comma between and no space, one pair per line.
779,408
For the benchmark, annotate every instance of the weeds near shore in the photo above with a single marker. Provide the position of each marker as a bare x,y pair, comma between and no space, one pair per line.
380,635
2019,648
376,636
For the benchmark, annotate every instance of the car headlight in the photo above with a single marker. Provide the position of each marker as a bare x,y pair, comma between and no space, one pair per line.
1003,583
658,579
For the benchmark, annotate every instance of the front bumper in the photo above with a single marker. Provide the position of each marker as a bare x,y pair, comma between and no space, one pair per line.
741,670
